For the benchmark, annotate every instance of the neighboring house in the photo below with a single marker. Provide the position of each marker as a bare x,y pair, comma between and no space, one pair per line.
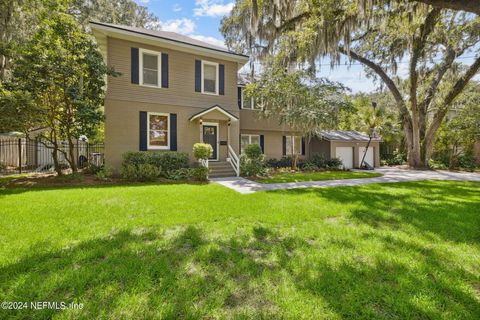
175,91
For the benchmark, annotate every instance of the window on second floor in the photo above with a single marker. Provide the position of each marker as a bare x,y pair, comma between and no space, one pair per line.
209,77
150,68
248,103
246,139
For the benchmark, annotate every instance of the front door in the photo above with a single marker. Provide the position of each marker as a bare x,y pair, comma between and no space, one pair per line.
210,137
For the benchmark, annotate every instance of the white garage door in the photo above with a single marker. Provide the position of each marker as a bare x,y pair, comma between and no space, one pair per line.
346,155
368,156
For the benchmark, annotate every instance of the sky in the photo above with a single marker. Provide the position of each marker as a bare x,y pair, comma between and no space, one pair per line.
200,19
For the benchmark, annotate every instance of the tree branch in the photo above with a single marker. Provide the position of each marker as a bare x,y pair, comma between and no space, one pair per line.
417,48
432,89
462,82
450,97
380,72
466,5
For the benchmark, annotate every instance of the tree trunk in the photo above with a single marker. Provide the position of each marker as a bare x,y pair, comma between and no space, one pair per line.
294,155
56,163
71,155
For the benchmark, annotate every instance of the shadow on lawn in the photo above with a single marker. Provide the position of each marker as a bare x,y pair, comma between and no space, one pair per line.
9,190
183,274
434,209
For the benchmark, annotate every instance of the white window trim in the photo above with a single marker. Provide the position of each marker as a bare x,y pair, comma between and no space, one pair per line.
252,104
159,71
249,139
213,124
149,147
288,149
242,98
204,62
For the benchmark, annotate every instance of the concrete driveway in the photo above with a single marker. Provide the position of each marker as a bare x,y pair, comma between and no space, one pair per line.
246,186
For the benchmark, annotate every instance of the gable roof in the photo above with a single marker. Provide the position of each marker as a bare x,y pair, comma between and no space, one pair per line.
345,135
165,37
216,107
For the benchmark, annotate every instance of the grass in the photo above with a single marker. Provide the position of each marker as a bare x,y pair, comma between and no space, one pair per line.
316,176
6,179
383,251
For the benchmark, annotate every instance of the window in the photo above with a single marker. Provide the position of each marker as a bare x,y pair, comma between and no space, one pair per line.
158,131
150,68
248,103
246,139
209,77
297,145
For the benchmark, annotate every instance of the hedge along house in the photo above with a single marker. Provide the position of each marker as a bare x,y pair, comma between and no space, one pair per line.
348,146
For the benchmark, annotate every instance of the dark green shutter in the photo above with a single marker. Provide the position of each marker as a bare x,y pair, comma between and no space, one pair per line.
239,97
284,145
173,131
262,143
303,146
143,131
198,76
164,70
221,79
134,66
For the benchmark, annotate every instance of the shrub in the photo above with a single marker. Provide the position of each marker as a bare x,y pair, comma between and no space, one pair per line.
252,167
284,162
334,163
467,161
140,172
253,152
105,173
181,174
202,151
165,161
435,164
91,168
319,160
168,161
396,159
310,166
252,162
200,173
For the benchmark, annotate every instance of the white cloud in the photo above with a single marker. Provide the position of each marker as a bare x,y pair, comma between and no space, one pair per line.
183,25
212,8
211,40
176,8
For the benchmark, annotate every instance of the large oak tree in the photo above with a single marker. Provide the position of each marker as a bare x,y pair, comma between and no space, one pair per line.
430,41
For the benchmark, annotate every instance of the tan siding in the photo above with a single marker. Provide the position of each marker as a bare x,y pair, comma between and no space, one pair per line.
250,120
122,131
181,91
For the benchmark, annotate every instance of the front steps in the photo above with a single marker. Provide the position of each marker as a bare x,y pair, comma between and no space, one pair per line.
220,169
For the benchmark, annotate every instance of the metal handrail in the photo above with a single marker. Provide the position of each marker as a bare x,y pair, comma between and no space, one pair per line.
203,162
234,160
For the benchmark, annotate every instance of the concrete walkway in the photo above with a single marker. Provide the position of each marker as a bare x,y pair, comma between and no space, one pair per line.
246,186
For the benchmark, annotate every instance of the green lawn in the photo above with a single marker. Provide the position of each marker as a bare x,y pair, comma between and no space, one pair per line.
316,176
385,251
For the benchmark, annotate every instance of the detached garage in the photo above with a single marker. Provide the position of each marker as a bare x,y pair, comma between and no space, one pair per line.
349,146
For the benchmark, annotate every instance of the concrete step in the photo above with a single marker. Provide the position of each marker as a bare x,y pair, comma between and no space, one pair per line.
220,169
221,175
218,164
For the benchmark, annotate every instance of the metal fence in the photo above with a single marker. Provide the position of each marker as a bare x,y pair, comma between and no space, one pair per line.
18,155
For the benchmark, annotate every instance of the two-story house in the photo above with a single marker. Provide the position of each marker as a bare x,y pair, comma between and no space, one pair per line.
175,91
